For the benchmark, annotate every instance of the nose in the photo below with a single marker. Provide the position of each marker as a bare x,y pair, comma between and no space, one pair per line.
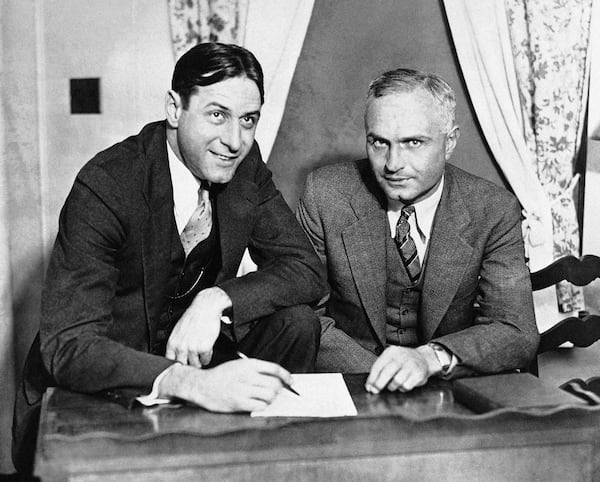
395,159
231,136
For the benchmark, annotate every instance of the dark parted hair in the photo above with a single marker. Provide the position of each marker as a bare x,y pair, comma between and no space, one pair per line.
211,62
408,80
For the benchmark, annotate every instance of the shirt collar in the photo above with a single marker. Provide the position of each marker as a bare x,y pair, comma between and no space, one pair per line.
185,188
425,211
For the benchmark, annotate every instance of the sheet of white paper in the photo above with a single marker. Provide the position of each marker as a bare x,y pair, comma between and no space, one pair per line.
321,395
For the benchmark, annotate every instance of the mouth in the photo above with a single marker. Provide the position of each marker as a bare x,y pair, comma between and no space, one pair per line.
224,158
396,180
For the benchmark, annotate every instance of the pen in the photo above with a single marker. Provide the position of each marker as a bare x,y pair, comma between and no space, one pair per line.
285,385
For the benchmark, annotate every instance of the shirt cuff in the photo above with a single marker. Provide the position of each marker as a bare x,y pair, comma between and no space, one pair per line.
152,397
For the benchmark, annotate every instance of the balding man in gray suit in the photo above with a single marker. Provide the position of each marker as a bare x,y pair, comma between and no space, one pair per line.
425,262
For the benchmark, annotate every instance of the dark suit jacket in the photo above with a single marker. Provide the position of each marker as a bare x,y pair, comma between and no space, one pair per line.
105,285
475,255
106,281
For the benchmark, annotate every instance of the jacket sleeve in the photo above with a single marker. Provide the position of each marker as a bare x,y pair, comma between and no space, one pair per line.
289,272
503,334
78,296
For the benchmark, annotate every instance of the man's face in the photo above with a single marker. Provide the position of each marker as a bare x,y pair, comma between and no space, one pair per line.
216,131
406,145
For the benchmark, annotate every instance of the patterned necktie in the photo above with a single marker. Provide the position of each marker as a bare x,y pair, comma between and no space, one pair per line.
406,245
199,225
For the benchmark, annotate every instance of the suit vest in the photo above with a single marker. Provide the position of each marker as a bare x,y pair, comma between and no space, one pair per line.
187,277
403,300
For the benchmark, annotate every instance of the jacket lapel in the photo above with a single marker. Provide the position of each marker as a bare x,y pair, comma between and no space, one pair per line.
236,204
157,225
364,242
447,257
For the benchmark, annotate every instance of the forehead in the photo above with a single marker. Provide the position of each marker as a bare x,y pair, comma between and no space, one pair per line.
234,93
407,112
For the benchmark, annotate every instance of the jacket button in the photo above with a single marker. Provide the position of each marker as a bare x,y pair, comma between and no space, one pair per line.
378,350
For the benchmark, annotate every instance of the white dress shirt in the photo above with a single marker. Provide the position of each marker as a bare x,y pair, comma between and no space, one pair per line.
422,220
185,190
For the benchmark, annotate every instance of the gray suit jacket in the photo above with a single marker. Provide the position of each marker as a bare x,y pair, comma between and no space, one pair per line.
476,297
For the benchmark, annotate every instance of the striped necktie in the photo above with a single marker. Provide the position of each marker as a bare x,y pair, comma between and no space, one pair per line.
199,225
406,245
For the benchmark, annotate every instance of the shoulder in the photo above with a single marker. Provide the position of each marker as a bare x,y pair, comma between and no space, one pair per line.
339,179
475,190
124,163
487,204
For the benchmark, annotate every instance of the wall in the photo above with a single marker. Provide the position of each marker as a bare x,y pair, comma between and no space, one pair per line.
20,171
343,50
127,45
44,44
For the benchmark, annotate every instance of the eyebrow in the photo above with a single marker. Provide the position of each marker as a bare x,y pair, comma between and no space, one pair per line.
227,109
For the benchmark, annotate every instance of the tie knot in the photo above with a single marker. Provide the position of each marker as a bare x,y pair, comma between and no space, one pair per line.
407,211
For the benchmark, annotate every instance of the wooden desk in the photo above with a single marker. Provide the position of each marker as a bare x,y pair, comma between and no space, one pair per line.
424,435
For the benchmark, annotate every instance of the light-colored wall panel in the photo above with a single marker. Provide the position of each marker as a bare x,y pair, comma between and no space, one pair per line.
126,43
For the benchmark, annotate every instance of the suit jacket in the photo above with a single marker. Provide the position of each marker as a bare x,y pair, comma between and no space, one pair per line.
476,297
106,280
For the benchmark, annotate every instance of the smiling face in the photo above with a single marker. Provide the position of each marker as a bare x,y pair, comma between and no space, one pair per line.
216,130
407,145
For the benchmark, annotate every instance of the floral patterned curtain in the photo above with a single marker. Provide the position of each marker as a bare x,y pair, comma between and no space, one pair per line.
194,21
550,46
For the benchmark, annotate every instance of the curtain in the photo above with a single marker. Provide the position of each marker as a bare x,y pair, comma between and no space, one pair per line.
549,43
527,85
195,21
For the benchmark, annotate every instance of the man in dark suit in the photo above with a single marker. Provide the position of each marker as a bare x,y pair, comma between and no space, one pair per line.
425,262
141,295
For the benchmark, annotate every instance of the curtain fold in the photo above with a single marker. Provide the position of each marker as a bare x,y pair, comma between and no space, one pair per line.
510,56
195,21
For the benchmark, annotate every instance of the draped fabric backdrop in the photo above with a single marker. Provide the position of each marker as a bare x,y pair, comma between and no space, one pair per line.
272,30
526,68
550,46
194,21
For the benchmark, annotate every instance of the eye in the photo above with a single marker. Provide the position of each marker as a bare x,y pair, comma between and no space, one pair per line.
414,143
377,143
216,116
248,121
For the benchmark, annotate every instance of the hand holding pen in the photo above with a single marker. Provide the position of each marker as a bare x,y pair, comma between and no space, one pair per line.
287,386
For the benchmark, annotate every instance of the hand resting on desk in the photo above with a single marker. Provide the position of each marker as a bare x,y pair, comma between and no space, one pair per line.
235,386
402,368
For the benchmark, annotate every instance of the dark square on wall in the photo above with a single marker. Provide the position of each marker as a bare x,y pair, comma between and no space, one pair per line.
85,96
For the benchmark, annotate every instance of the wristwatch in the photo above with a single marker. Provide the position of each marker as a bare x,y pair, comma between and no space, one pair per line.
443,357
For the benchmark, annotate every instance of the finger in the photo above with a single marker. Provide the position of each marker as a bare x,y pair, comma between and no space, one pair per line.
181,356
386,375
170,353
253,404
264,393
264,381
194,360
400,379
416,379
205,357
379,365
272,369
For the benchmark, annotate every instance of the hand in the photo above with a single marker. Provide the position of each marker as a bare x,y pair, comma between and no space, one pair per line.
402,368
238,385
193,337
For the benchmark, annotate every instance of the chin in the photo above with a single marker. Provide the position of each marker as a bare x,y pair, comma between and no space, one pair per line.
222,177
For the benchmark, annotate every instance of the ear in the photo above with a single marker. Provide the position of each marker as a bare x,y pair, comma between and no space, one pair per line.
451,140
173,108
